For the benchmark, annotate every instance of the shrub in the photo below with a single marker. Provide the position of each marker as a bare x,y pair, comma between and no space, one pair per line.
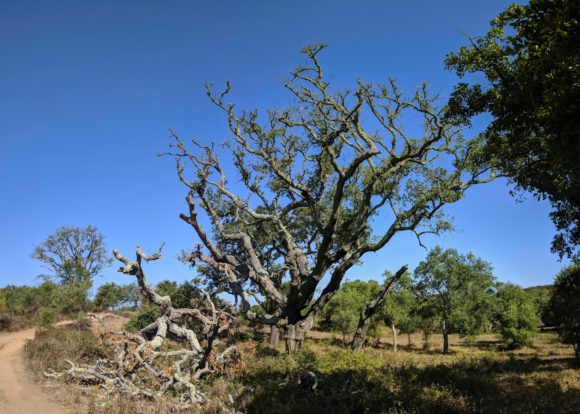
143,317
50,347
46,317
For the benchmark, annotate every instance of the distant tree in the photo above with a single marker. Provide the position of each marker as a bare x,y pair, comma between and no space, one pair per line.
458,289
516,315
133,294
73,254
344,309
531,63
428,319
412,322
317,186
564,305
397,311
110,296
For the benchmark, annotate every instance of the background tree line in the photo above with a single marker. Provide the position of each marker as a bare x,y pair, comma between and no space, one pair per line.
453,293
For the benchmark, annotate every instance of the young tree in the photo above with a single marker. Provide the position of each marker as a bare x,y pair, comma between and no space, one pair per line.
317,186
73,254
458,288
411,322
530,61
564,306
516,315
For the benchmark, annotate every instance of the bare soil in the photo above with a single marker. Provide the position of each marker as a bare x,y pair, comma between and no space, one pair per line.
20,395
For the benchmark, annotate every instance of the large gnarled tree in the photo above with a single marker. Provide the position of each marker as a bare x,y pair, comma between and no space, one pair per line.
317,186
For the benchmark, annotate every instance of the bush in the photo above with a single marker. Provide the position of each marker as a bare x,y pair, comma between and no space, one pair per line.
46,317
143,317
50,347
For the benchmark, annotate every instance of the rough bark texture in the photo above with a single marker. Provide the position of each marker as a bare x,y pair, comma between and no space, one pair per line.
371,308
274,336
395,343
140,368
445,343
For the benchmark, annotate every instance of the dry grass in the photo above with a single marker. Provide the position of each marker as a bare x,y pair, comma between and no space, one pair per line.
484,378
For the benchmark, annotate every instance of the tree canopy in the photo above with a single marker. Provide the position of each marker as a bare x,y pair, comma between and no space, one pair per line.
458,288
530,60
564,306
73,254
319,185
515,313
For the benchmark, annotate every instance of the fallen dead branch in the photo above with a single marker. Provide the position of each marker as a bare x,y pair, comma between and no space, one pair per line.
168,356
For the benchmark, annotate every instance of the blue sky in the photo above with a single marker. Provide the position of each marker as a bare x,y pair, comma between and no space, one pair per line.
88,91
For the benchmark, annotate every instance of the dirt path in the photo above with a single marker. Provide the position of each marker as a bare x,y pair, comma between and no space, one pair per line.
17,394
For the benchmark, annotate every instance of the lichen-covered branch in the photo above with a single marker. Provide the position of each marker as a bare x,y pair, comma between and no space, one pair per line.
140,366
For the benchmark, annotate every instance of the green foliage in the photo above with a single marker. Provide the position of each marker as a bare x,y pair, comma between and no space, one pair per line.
73,254
515,313
73,299
344,309
377,382
112,296
399,304
20,306
46,317
564,306
531,63
23,306
542,295
456,289
133,294
143,317
181,294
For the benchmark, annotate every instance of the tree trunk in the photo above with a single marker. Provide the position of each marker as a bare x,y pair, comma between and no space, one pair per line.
445,342
295,337
370,309
426,340
358,340
408,340
274,336
394,329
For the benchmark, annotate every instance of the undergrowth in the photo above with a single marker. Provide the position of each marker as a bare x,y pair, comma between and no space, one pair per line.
325,378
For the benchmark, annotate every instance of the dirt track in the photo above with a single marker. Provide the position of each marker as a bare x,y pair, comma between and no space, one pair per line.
18,395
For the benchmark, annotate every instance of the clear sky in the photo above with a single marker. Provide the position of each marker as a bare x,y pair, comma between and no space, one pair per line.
88,91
